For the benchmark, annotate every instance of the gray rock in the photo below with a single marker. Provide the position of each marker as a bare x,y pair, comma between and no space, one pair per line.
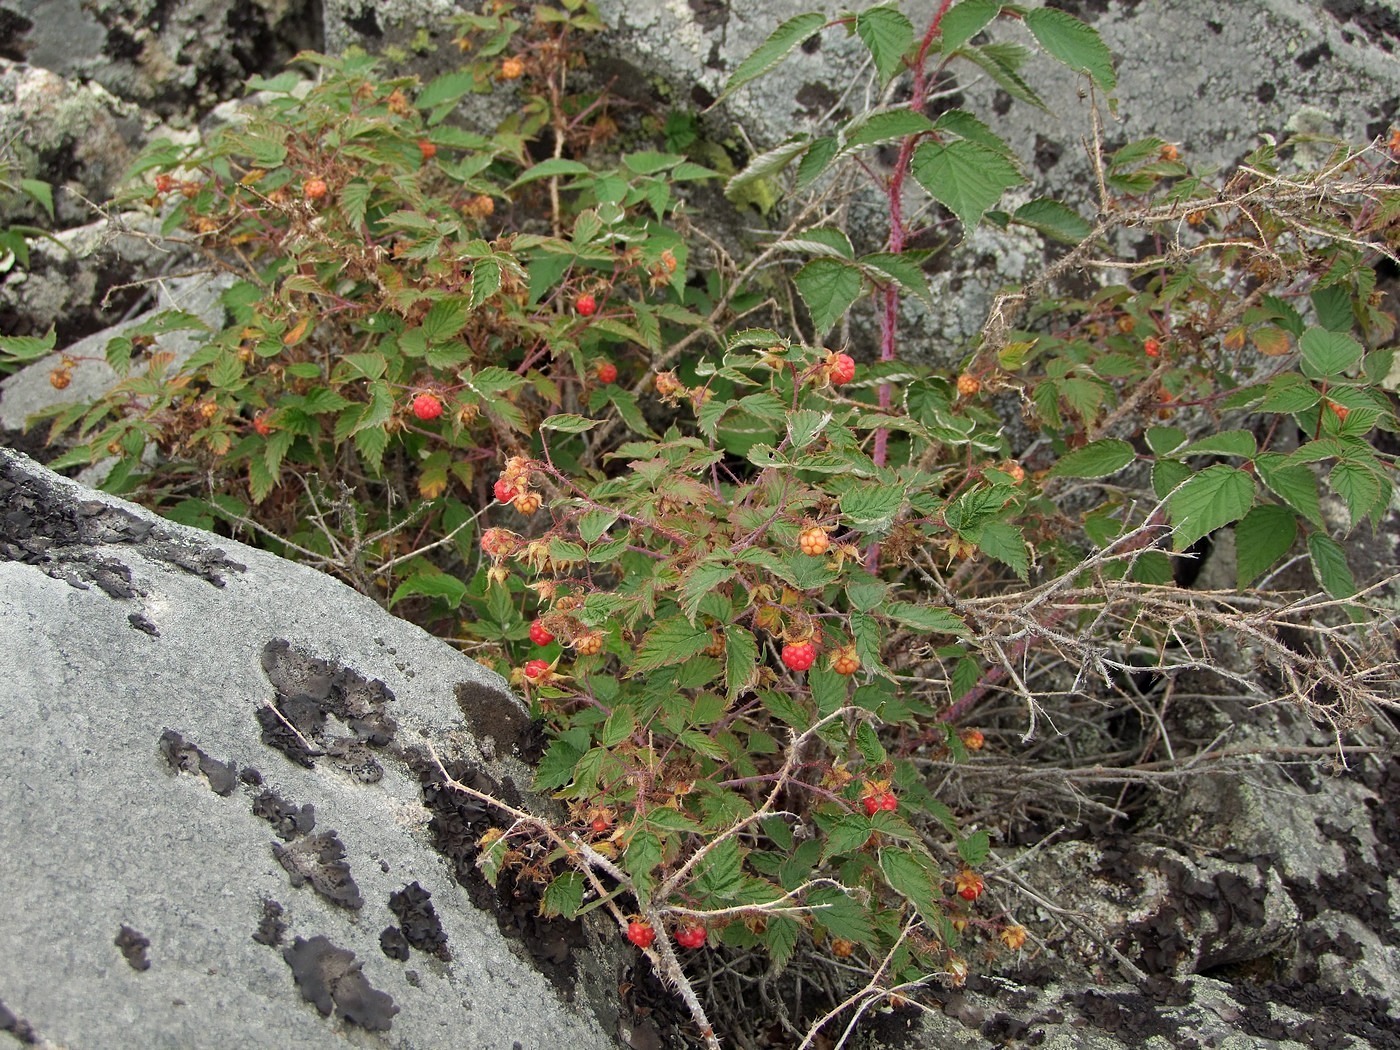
145,904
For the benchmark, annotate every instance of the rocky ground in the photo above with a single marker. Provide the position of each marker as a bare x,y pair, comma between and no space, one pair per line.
260,823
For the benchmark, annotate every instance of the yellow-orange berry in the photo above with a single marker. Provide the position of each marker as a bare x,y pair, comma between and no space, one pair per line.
314,189
1340,411
813,541
972,739
1014,937
59,378
845,661
590,644
526,503
512,69
968,385
1170,152
842,949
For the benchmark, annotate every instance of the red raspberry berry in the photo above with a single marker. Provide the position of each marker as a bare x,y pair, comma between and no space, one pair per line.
165,183
537,670
539,633
800,655
871,804
426,148
690,936
640,933
586,305
968,884
841,368
607,372
503,490
1340,411
888,802
1151,347
261,426
600,825
427,407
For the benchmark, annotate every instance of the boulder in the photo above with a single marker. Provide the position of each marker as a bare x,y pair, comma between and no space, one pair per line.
222,824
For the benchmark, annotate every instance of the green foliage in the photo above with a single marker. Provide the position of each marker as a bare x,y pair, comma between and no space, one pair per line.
770,577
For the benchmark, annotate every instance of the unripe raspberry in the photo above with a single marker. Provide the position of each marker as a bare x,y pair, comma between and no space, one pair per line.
590,644
1013,937
261,426
498,543
314,189
512,69
972,739
813,541
164,183
968,385
799,656
845,661
1340,411
427,407
668,385
59,378
526,503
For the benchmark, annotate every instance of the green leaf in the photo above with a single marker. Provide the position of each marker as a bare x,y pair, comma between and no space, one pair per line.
445,319
446,89
908,273
641,860
1327,354
1293,483
886,125
1329,563
431,585
828,287
703,580
912,875
963,21
888,35
569,423
1098,459
870,506
671,641
39,191
549,168
1165,440
1290,393
767,164
1361,487
1002,62
849,833
1333,306
967,177
866,592
1167,474
557,767
1072,42
780,938
973,849
1056,220
935,619
1006,544
781,41
721,874
1226,443
1262,537
1211,499
820,154
563,896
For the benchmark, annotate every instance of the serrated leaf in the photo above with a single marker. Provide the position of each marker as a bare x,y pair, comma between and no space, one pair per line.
1329,564
568,423
1211,499
1056,220
1002,62
767,164
1098,459
1262,537
446,89
963,21
913,876
780,935
871,506
548,169
1293,483
1333,307
563,896
671,641
1073,43
780,42
908,273
701,581
888,35
1271,341
1327,354
39,191
1226,443
973,848
1006,544
965,176
1165,440
1290,393
820,154
445,319
935,619
804,425
828,287
641,860
849,833
721,873
486,281
1359,485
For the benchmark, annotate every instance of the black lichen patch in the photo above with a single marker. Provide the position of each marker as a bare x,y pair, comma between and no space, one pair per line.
310,694
1133,1015
271,929
418,920
185,757
331,979
18,1027
394,944
1379,23
143,624
495,715
288,820
320,860
133,947
457,824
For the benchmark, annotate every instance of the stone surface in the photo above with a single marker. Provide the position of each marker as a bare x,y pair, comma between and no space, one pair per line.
145,903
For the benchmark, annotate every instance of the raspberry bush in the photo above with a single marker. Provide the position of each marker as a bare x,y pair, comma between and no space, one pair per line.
506,384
